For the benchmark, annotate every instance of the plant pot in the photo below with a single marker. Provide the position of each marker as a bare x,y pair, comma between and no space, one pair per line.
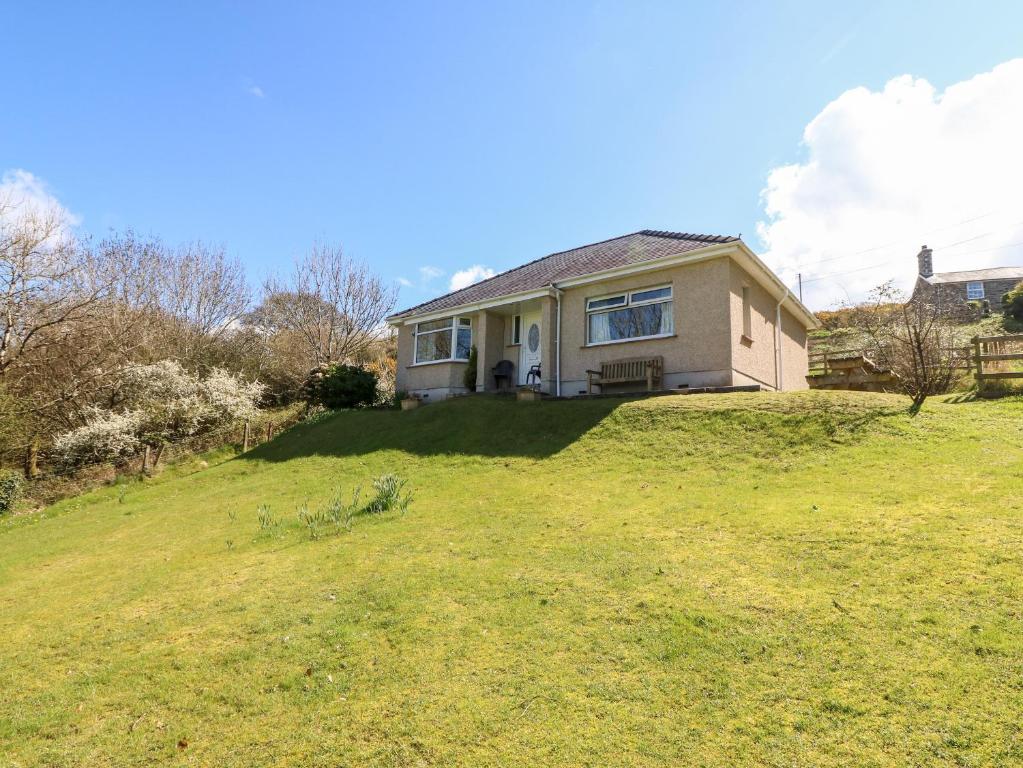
529,395
409,403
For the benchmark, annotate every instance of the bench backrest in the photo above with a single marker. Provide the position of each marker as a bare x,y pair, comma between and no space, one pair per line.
630,368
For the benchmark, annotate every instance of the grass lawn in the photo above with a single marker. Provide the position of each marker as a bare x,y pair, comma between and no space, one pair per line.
810,579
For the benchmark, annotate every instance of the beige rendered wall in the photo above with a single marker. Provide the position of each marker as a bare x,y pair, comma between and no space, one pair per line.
795,357
753,357
433,381
698,354
488,334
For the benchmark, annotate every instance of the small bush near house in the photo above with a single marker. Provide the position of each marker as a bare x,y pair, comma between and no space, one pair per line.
1012,303
341,386
978,308
469,379
11,487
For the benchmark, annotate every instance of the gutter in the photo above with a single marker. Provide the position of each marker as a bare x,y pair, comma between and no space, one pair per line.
557,343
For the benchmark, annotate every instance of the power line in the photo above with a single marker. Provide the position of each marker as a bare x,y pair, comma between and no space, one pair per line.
888,263
901,241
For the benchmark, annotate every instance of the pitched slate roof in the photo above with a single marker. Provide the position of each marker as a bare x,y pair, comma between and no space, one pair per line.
994,273
621,251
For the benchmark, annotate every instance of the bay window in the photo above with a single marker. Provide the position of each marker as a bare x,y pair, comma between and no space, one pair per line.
441,340
628,315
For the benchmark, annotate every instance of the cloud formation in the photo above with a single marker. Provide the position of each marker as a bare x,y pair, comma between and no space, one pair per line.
887,171
466,277
24,194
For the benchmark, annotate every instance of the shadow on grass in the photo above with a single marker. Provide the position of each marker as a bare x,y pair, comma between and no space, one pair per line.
488,426
478,425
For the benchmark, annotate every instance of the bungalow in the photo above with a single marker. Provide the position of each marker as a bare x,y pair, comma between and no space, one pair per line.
704,307
958,288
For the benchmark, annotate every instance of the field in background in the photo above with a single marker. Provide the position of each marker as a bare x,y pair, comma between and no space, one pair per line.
812,579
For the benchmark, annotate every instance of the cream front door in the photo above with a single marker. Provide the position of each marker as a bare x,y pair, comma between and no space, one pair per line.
529,352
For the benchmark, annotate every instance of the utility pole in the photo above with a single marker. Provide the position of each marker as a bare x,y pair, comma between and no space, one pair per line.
800,275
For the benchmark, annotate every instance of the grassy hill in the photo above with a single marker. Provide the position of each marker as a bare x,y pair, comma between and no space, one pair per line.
803,579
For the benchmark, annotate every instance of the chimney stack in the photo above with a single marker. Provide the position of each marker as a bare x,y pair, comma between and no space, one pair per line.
924,262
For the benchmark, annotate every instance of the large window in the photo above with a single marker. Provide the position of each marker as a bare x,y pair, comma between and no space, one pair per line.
633,315
447,339
974,291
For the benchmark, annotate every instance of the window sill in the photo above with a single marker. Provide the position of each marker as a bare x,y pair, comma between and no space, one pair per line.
746,340
437,362
628,341
514,344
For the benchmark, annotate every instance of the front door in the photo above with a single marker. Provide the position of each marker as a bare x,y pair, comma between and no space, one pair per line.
529,352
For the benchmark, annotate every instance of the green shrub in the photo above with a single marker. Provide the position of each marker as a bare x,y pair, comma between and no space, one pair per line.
341,386
1012,303
11,487
979,307
389,495
469,378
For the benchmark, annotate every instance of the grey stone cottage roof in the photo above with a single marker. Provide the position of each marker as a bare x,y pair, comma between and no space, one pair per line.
976,275
637,247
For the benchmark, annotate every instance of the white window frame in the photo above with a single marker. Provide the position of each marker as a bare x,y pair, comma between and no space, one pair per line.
629,302
516,329
455,323
975,290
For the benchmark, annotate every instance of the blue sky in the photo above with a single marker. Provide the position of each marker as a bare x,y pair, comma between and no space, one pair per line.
445,135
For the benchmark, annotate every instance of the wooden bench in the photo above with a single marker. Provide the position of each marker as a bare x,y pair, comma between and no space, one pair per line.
627,370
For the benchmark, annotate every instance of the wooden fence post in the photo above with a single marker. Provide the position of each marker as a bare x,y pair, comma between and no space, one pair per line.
245,437
32,460
145,460
269,430
977,362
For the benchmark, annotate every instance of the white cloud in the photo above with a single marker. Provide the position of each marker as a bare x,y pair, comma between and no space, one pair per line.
427,274
887,171
466,277
256,91
24,194
405,282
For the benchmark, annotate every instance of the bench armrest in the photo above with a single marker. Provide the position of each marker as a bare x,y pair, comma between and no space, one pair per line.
595,373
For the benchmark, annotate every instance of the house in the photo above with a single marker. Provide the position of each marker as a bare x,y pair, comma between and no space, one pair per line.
705,306
960,287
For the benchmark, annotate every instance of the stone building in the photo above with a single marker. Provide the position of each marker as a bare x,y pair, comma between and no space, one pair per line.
960,287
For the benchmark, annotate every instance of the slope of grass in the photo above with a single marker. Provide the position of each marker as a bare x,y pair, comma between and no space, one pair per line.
805,579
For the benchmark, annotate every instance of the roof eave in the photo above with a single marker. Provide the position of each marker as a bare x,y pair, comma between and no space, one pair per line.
776,287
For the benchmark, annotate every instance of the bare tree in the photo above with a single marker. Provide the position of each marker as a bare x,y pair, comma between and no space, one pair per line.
205,293
917,340
335,306
47,281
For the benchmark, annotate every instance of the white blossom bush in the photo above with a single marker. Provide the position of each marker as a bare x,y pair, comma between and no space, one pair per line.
228,398
106,436
157,404
177,404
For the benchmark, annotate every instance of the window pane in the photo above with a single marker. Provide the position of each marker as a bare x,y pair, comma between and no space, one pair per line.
653,293
465,322
631,323
610,301
464,342
434,325
975,290
433,346
516,329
